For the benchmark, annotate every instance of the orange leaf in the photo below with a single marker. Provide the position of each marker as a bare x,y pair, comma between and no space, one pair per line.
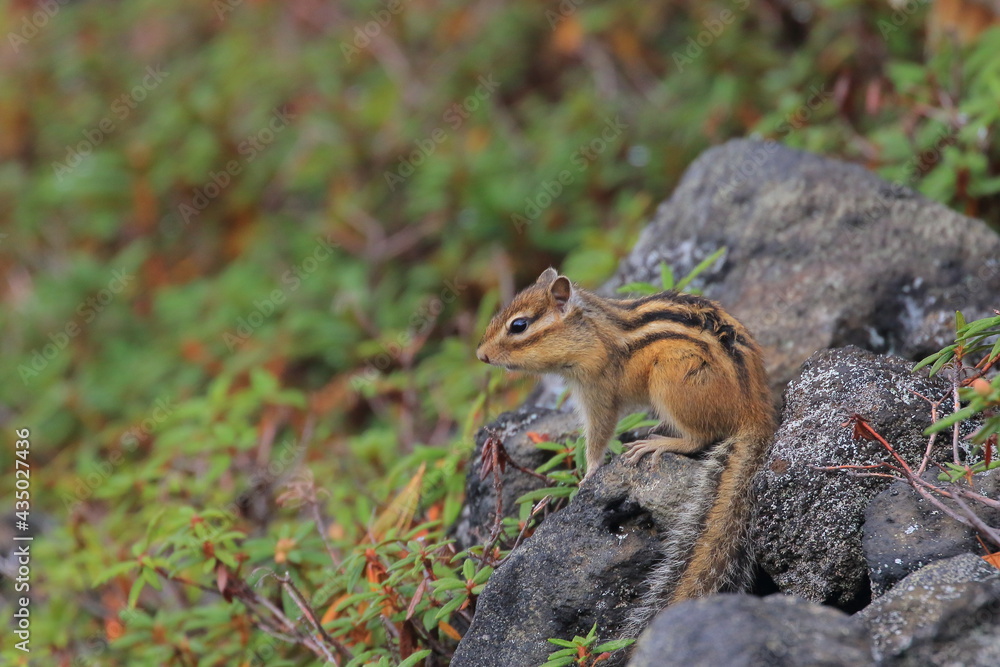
539,437
568,36
450,631
331,611
113,628
993,559
477,139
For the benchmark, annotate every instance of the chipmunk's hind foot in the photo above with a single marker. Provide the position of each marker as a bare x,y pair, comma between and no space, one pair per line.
655,445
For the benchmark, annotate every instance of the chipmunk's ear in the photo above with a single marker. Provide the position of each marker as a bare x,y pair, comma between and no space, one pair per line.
548,275
561,290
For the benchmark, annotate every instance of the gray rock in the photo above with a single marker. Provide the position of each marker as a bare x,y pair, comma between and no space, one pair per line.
821,254
585,564
947,613
476,521
903,531
808,530
744,631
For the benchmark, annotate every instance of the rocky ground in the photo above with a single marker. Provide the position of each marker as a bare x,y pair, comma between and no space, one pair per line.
845,280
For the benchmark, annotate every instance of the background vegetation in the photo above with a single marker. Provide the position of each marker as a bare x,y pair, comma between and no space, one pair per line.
248,248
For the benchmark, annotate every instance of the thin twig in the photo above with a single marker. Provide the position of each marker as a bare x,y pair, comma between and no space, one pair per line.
976,522
933,438
321,527
957,405
299,600
527,522
242,592
927,490
972,495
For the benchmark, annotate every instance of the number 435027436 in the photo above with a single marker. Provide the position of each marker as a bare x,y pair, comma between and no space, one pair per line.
22,475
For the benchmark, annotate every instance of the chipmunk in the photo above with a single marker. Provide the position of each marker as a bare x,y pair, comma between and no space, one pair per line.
703,375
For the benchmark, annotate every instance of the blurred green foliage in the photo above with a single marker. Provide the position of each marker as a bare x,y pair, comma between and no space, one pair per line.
248,248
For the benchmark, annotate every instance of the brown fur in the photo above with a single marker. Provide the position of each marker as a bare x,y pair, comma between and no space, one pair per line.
701,372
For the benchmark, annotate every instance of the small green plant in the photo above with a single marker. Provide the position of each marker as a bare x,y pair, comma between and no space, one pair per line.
582,650
956,479
979,340
667,281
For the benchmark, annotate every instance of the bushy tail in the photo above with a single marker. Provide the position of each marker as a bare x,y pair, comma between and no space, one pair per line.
708,549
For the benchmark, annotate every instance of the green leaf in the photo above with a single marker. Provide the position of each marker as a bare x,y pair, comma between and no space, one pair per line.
538,494
561,642
415,658
483,575
263,382
137,586
980,325
959,321
666,276
946,356
929,359
448,608
953,418
468,569
550,464
114,571
634,421
152,578
613,645
447,584
696,271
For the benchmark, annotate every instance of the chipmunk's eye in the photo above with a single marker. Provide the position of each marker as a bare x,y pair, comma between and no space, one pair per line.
519,325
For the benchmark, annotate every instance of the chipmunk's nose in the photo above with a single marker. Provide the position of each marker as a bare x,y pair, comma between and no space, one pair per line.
482,356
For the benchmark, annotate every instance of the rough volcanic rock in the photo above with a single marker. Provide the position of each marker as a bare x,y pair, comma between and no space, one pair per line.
740,630
821,254
903,531
947,613
808,530
475,523
585,564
